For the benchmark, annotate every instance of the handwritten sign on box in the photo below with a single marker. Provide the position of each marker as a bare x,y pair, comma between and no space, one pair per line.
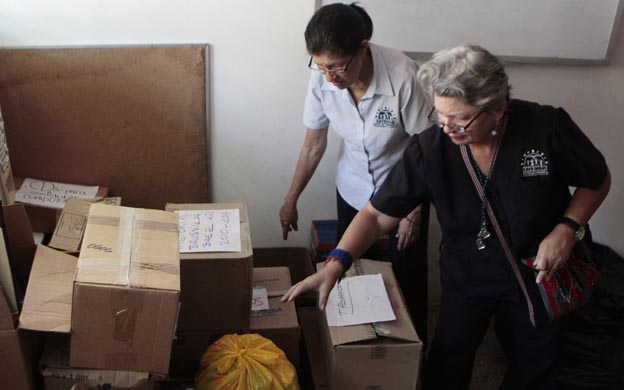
52,194
209,230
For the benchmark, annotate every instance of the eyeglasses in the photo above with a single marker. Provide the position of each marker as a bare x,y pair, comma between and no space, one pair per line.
434,118
315,67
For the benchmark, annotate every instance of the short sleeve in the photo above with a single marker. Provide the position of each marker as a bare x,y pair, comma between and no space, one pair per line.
405,187
578,161
414,103
313,113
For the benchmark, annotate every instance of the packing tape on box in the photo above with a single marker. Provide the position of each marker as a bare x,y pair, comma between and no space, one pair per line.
126,304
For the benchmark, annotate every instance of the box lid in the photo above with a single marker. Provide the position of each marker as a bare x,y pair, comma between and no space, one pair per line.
246,249
399,329
48,301
130,247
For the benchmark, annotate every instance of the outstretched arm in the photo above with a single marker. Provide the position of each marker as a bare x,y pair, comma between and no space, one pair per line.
365,228
311,153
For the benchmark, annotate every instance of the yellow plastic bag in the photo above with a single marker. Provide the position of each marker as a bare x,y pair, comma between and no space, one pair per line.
245,362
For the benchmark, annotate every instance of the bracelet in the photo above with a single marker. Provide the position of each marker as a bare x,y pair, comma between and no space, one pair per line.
343,256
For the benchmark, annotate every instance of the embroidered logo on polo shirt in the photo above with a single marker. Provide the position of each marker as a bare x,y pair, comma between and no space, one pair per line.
385,117
534,163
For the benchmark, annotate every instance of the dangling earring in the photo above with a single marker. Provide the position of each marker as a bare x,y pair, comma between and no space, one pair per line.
494,132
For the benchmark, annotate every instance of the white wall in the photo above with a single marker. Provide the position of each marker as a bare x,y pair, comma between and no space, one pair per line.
258,78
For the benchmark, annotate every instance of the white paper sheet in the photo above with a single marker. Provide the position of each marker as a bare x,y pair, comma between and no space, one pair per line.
209,230
51,194
259,299
359,300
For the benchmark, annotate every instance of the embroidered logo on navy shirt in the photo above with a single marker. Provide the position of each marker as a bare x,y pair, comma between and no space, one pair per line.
534,163
385,117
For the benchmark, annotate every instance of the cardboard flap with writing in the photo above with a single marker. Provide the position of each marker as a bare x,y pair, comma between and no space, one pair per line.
130,247
70,228
400,329
48,302
246,249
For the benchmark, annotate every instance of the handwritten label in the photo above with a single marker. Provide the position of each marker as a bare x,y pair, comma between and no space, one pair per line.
51,194
359,300
209,230
259,299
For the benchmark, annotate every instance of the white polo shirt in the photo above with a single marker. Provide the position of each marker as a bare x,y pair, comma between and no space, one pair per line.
377,130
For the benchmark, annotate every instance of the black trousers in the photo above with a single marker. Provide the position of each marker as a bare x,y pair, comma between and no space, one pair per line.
410,265
462,324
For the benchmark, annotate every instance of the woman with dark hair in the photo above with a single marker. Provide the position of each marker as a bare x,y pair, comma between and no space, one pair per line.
499,172
370,96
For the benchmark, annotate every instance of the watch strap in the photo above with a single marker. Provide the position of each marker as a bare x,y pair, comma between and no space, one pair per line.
571,223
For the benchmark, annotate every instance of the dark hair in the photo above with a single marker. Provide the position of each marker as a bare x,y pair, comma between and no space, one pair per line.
338,29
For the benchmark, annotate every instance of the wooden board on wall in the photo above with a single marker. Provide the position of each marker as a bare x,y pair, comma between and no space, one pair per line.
131,118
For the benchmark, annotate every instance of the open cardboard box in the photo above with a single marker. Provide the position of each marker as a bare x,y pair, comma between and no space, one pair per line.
384,355
119,299
278,323
216,289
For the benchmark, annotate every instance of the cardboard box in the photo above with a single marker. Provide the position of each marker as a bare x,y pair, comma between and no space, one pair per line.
279,323
216,289
124,288
384,355
314,372
43,219
71,225
58,375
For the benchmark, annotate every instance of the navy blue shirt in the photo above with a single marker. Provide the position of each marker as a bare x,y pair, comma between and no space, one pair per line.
542,154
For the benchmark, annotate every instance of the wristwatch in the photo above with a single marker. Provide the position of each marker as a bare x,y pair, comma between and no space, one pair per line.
579,231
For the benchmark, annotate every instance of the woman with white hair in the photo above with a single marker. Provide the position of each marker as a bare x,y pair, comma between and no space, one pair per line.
498,171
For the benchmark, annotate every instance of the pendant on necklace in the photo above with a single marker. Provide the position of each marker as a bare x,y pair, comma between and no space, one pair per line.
483,233
480,244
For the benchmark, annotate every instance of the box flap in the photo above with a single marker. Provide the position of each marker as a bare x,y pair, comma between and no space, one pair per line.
130,247
48,301
6,318
401,328
20,244
246,249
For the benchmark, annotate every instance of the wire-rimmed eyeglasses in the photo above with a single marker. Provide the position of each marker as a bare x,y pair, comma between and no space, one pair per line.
434,116
315,67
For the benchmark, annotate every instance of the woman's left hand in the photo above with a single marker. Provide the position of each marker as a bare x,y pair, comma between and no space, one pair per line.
553,252
407,234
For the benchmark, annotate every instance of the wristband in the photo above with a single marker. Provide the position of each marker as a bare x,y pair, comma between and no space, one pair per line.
343,256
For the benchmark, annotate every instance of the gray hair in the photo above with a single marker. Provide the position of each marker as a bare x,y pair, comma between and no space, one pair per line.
468,72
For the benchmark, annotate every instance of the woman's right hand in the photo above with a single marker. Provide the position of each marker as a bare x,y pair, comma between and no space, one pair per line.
322,281
288,218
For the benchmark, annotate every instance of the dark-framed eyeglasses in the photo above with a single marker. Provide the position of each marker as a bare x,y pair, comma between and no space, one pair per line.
344,69
434,117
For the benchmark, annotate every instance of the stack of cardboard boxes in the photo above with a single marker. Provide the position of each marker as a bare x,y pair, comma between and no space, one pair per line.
134,313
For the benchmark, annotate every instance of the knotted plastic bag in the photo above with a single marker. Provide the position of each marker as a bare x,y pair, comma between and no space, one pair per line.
245,362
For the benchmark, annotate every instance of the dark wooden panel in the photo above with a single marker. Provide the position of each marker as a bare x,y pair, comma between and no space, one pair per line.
130,118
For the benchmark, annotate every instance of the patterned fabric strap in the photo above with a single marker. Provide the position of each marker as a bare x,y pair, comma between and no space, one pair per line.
499,233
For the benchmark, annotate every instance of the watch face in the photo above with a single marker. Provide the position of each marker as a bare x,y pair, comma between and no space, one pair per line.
580,233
